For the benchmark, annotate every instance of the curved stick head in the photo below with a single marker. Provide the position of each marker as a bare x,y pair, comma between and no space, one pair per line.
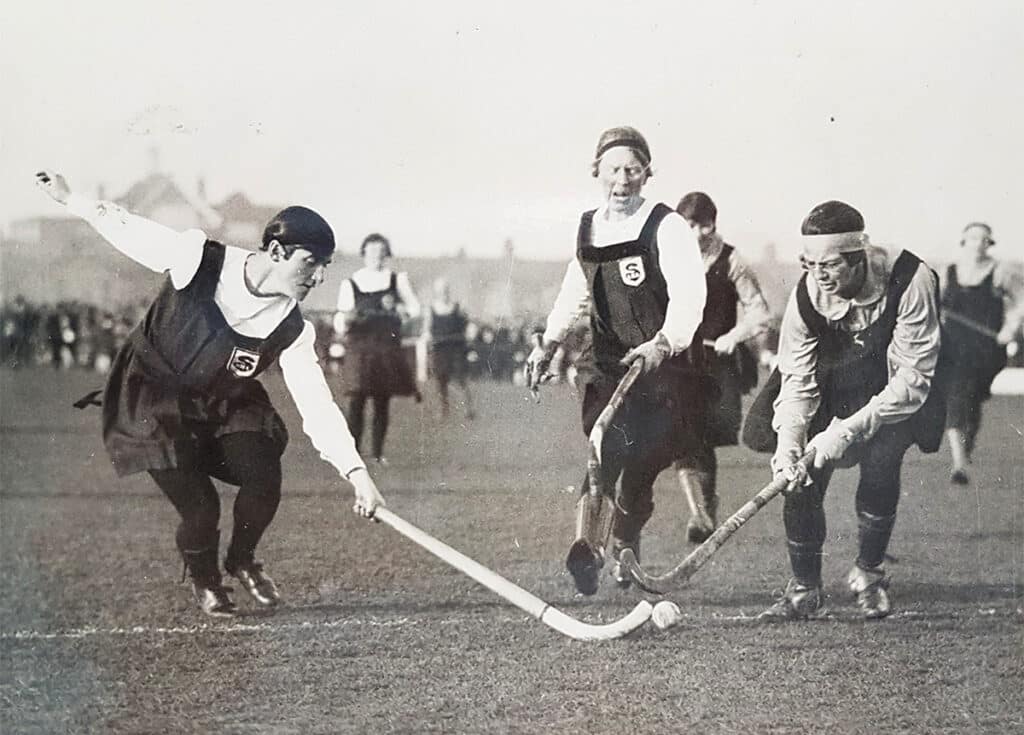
628,561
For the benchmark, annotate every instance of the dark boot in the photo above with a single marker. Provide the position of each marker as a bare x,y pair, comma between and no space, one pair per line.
207,587
255,581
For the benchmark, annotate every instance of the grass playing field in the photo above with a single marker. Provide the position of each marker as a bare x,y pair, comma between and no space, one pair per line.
98,636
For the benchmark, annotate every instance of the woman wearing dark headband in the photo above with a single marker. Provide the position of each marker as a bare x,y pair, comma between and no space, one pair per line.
182,400
637,273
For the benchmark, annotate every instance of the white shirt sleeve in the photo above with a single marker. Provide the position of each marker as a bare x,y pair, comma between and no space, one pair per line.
756,317
346,304
911,358
148,243
322,420
572,301
1010,285
681,264
799,396
408,295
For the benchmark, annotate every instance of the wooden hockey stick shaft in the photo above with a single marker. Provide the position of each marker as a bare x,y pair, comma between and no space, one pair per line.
592,526
515,594
970,324
699,556
604,420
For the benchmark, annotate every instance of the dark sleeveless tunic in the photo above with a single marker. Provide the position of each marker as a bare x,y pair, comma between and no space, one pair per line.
448,344
735,374
375,363
976,358
184,377
665,412
852,368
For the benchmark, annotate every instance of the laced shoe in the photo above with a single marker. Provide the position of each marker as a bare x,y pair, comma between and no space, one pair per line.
584,565
214,599
797,602
871,589
256,582
618,572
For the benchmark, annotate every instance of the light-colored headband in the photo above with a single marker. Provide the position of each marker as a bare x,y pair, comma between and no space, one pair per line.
839,242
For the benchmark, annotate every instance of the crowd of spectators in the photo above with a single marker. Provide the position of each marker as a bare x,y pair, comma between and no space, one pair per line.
73,334
64,335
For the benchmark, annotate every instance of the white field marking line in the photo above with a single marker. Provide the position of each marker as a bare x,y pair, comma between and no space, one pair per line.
836,616
201,628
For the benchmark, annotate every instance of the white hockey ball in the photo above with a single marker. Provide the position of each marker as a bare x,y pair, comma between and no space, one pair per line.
666,614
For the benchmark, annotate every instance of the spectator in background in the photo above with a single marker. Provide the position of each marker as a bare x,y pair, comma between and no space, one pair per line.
444,334
736,311
502,355
982,309
372,304
19,325
62,335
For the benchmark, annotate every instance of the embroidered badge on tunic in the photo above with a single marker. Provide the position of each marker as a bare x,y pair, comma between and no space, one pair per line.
632,271
242,363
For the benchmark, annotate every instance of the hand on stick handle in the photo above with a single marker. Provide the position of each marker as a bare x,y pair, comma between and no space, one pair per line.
368,497
537,364
651,353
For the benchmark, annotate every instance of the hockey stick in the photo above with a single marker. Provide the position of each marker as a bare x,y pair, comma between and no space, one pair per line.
519,597
593,526
970,324
699,556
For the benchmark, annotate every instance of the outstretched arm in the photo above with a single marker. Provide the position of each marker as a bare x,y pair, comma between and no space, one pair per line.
323,421
146,242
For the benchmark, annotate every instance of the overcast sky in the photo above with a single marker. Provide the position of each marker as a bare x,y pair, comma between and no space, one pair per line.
448,124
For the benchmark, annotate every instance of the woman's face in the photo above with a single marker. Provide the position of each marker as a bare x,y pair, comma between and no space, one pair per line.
703,233
833,273
977,241
298,274
622,174
373,255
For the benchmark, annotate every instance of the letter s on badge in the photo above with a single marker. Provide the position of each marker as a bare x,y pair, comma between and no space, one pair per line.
631,270
242,363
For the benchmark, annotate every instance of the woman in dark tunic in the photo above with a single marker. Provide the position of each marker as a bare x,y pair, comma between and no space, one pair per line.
372,305
182,400
982,313
444,333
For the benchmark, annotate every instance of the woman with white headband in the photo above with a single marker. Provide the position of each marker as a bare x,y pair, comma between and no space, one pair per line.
859,345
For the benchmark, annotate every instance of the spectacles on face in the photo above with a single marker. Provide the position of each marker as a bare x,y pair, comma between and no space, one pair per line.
831,267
